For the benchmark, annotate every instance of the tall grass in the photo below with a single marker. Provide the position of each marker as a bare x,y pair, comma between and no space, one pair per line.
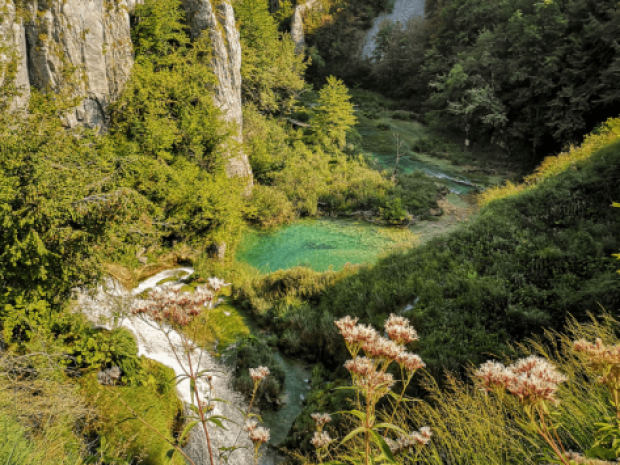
551,166
471,426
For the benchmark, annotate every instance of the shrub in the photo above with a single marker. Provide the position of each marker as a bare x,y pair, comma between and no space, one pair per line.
270,207
249,352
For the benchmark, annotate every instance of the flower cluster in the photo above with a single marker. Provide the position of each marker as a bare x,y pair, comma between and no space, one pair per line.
171,305
321,439
258,434
321,419
410,362
407,441
258,374
399,330
532,379
601,358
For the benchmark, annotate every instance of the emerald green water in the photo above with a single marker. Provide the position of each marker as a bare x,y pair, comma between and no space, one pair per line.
318,244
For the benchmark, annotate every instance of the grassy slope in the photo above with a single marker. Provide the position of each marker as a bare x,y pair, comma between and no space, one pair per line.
525,263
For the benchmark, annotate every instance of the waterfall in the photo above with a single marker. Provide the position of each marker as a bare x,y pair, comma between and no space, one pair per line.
403,11
111,298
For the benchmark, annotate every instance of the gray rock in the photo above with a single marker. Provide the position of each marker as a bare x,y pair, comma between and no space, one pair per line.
297,24
91,40
218,250
13,34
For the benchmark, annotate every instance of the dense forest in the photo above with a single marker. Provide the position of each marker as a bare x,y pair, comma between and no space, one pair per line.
511,312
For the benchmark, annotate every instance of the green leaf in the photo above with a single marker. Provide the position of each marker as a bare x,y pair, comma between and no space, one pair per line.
378,439
187,429
355,432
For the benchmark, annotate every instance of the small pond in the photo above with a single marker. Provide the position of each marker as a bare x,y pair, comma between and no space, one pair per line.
319,244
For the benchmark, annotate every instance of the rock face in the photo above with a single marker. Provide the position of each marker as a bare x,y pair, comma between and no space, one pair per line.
89,37
13,37
297,24
91,40
219,23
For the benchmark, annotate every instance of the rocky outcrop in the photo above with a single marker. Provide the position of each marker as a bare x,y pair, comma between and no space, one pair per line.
402,12
219,23
13,48
86,45
297,24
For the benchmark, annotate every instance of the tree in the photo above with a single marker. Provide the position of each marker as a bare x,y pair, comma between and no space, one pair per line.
333,115
271,70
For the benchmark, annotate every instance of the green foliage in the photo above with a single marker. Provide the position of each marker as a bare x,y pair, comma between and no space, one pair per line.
333,116
272,72
167,107
166,119
531,72
155,399
271,207
525,263
62,203
252,352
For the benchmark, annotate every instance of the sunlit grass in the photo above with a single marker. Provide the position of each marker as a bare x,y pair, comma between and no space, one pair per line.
554,165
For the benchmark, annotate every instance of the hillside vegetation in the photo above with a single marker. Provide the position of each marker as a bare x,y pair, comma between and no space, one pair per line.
524,264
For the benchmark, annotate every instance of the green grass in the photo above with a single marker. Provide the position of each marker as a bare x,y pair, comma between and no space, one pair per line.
155,400
524,263
15,448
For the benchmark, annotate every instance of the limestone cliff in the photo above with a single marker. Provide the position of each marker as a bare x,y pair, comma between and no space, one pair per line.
13,47
297,24
90,40
219,23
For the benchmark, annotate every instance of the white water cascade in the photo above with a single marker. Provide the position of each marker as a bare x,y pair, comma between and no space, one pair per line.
108,307
403,11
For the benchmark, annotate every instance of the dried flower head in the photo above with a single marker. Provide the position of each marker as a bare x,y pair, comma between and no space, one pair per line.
399,330
381,347
407,441
259,435
259,373
362,366
532,379
321,439
603,359
493,375
321,419
411,362
169,305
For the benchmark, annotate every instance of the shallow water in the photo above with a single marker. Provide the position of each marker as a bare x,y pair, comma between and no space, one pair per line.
380,147
319,244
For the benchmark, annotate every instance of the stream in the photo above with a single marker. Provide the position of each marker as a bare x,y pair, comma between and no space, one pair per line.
111,301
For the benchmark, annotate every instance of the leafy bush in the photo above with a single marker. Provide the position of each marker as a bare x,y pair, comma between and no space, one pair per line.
252,352
270,207
155,399
383,126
